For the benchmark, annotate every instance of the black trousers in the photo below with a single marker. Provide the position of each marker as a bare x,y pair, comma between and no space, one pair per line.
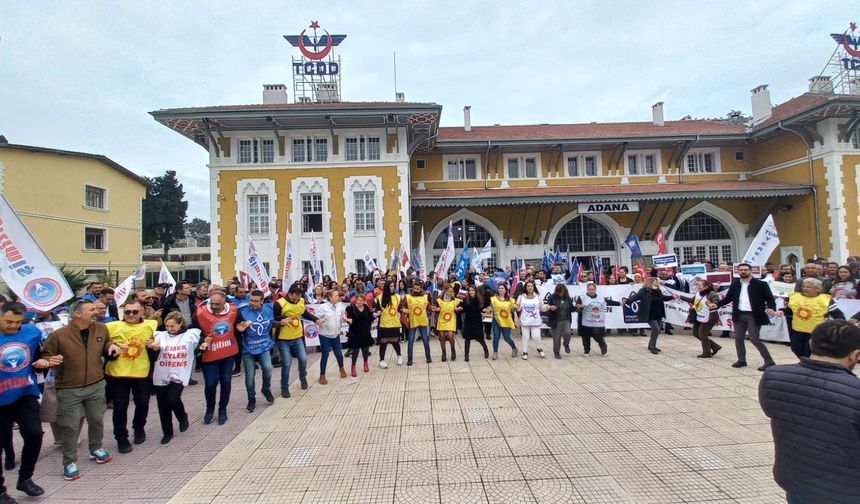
587,333
365,353
800,343
169,399
468,343
138,388
24,412
383,346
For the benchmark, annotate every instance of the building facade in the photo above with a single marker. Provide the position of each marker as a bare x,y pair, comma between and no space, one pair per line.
366,177
83,209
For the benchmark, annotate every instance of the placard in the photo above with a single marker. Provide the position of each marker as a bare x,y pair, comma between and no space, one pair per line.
665,260
694,270
781,289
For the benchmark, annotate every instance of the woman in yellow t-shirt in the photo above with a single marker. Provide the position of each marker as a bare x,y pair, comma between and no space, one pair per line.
808,308
502,308
388,332
446,322
415,305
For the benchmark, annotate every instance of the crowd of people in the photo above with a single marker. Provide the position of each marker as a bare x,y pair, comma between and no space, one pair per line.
112,356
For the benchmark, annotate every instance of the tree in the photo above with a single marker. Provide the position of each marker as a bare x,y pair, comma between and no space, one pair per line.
164,211
199,230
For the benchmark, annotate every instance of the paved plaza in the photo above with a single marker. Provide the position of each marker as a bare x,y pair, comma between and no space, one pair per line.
629,427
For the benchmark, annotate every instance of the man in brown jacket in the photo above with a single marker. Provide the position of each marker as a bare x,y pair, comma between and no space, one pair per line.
80,382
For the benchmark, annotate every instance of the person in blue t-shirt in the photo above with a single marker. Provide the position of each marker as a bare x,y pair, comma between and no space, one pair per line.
19,395
241,299
256,322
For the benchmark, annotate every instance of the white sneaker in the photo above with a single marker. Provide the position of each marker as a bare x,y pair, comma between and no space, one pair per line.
525,356
585,354
540,352
399,360
383,364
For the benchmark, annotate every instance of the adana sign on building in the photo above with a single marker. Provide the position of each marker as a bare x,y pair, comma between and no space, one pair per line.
609,207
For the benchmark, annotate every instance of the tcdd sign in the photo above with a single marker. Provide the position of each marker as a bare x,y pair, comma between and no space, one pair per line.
315,48
851,44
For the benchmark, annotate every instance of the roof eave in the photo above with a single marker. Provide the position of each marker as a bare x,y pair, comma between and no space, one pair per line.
593,140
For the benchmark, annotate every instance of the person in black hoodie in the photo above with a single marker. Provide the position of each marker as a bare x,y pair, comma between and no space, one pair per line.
559,305
473,307
651,309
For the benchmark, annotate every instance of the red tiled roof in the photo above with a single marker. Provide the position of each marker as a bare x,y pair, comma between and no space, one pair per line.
591,130
300,106
624,192
792,107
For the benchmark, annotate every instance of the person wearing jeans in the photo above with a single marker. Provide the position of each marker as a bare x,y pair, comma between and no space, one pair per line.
257,322
415,305
502,308
330,320
289,312
217,320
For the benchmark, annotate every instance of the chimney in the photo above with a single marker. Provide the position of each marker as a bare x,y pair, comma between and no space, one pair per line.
400,97
761,106
821,84
854,86
467,118
657,114
274,93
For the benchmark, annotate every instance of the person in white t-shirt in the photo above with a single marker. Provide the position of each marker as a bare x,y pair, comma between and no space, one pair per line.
528,306
176,346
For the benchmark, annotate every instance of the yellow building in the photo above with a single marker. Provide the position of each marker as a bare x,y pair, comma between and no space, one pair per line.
84,209
357,177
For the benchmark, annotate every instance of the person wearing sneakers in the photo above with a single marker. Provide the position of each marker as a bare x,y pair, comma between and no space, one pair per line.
390,327
592,319
359,317
502,308
217,320
704,316
291,336
80,382
559,305
446,322
128,374
175,347
752,305
19,395
528,306
415,305
257,344
330,318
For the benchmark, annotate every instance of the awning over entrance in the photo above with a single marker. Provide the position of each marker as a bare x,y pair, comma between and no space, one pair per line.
441,198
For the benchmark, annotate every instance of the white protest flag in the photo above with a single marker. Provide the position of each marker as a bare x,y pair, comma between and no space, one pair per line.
485,254
422,258
476,261
165,277
447,256
333,267
763,244
140,273
122,291
25,267
256,269
287,274
316,273
369,263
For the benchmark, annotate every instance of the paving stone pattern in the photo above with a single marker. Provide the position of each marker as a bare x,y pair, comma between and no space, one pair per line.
629,427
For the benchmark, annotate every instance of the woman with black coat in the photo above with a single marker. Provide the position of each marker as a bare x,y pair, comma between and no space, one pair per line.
473,327
559,305
651,309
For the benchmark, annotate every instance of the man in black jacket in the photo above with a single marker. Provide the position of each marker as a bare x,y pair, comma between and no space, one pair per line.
752,303
814,410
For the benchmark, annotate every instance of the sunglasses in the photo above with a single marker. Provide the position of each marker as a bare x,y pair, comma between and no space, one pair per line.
132,312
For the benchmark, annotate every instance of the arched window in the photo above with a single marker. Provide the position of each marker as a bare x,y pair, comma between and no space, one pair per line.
584,234
702,237
464,230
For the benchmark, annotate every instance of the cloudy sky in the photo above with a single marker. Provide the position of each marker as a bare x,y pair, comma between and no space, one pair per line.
82,75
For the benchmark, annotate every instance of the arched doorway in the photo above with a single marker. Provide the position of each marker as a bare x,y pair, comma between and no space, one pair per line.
465,230
703,237
586,238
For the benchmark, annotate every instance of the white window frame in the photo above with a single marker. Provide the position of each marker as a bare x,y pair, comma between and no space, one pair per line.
580,161
640,157
362,143
262,219
699,156
318,141
369,215
854,141
104,191
308,152
256,149
303,212
461,162
104,231
521,166
263,143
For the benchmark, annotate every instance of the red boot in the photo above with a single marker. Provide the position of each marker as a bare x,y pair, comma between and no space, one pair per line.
354,373
366,367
